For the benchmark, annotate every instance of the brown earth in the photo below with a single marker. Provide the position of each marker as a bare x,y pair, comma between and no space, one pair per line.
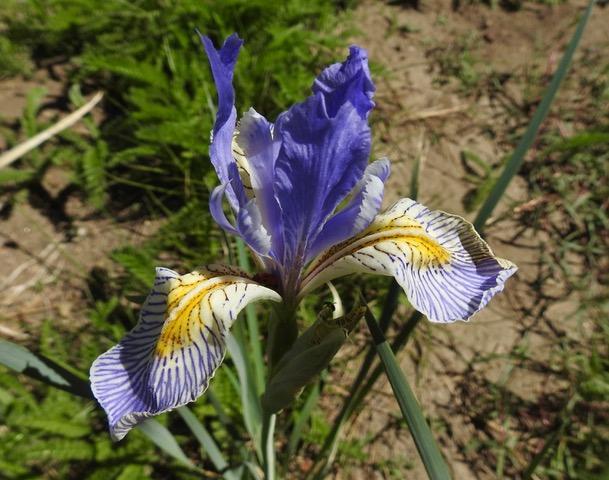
421,114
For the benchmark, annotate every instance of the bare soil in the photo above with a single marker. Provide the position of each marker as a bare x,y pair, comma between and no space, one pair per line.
421,114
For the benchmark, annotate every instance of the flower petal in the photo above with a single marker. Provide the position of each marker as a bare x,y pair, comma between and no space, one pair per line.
222,64
217,212
325,143
168,359
447,271
251,229
359,212
260,150
249,222
332,81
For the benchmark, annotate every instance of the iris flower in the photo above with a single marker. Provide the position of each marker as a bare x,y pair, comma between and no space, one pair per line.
306,202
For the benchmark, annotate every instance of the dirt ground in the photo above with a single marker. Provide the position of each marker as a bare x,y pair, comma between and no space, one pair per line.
418,116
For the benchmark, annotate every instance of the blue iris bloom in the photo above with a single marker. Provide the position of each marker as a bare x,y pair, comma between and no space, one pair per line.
306,202
284,180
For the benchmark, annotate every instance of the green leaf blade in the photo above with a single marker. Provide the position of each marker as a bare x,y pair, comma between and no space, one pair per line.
162,438
515,161
423,438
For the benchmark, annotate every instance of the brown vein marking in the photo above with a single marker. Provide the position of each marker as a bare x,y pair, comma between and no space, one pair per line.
176,330
431,251
369,231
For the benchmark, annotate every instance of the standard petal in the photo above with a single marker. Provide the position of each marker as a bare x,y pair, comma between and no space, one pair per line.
325,144
353,74
249,222
168,359
359,212
222,64
447,271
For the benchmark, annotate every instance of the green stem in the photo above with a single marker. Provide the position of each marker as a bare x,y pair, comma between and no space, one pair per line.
352,400
252,325
268,444
359,390
283,331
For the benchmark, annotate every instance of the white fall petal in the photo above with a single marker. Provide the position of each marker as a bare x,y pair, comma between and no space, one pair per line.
168,359
447,271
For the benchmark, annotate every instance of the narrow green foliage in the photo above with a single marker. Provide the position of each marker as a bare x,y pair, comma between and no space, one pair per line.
93,165
253,328
208,445
310,354
422,435
138,263
21,360
163,439
515,161
13,59
302,416
13,176
160,99
457,60
569,187
482,175
55,426
250,403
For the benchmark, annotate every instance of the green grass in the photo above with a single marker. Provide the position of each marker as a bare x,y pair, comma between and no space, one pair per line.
159,104
570,188
563,433
145,157
458,60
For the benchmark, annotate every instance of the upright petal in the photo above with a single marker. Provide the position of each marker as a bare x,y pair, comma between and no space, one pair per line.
359,212
447,271
353,73
168,359
325,143
222,64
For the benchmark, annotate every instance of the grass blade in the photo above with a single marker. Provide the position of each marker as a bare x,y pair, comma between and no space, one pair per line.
162,438
38,367
22,360
359,392
268,436
515,162
423,438
252,412
252,326
207,443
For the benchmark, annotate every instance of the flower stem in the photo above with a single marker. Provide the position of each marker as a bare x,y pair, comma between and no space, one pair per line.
283,331
268,445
